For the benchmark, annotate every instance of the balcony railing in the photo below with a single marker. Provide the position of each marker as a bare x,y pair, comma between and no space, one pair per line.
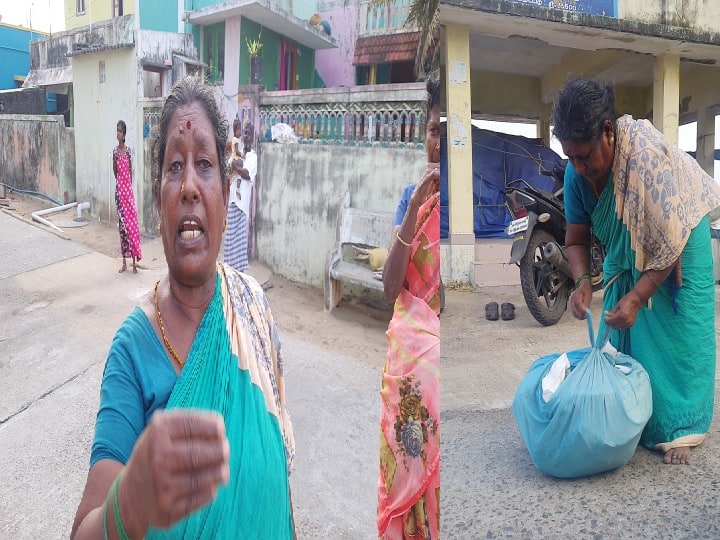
55,50
386,18
106,35
386,115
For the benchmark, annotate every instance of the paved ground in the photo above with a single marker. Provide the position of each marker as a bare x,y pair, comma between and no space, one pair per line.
490,488
61,303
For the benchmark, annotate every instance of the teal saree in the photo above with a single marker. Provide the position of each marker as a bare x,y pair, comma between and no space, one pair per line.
233,368
673,336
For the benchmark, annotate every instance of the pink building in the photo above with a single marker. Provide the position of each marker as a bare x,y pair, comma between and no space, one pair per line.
373,44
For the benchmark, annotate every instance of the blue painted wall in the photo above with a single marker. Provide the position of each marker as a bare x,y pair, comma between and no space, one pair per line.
15,53
15,59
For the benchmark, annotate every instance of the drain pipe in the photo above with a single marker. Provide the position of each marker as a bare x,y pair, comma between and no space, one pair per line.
36,215
80,208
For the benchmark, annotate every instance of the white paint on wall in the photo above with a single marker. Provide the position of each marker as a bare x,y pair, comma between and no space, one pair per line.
299,190
458,72
232,67
98,107
457,135
181,14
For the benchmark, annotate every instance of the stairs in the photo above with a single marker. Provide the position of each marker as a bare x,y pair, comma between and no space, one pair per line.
491,268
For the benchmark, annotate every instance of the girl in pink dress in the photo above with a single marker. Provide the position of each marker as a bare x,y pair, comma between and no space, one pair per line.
125,201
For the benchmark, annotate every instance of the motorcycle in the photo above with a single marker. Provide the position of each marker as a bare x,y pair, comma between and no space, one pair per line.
538,230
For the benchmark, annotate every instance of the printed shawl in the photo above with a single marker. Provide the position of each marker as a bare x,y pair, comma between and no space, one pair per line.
234,368
409,483
661,193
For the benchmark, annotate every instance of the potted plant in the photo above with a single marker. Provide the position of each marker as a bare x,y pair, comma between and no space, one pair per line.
254,48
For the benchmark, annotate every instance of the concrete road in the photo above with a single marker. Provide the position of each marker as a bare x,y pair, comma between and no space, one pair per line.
490,487
60,305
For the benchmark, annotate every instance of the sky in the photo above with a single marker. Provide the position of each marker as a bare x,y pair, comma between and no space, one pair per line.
46,15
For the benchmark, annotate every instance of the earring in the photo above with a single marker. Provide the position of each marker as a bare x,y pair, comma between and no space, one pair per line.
225,225
437,146
612,140
159,227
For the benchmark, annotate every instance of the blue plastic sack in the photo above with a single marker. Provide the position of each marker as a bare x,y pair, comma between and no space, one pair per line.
593,421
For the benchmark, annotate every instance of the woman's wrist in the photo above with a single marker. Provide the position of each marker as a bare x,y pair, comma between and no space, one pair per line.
652,279
128,517
582,278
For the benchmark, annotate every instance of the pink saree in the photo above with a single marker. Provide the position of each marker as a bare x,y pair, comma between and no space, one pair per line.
125,201
409,483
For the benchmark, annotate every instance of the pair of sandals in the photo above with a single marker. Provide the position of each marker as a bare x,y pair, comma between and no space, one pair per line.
507,311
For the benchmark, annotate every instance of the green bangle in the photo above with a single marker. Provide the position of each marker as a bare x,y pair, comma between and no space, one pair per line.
580,279
122,533
105,505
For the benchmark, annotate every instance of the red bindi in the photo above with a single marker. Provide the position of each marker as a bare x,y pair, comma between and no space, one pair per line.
188,124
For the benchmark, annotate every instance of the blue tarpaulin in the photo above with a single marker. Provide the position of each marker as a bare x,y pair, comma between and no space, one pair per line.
498,158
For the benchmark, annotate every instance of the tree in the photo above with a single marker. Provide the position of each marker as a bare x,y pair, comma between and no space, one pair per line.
425,14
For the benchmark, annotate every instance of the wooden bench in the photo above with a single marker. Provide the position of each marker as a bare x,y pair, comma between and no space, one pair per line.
362,229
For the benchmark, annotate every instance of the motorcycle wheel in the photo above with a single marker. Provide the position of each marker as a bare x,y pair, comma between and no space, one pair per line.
545,288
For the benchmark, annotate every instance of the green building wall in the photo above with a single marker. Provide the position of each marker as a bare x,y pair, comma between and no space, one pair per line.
271,57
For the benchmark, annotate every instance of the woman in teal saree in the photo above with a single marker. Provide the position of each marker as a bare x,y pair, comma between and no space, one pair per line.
647,201
192,437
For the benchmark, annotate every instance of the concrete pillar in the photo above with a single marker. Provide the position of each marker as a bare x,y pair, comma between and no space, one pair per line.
231,78
458,257
542,126
666,95
705,154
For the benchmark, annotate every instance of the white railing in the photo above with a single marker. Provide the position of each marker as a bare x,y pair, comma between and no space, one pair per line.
385,18
386,114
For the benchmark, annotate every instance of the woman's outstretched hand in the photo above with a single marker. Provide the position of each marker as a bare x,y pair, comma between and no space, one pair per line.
581,299
176,467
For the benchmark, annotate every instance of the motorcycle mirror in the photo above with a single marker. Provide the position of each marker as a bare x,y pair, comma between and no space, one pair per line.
544,217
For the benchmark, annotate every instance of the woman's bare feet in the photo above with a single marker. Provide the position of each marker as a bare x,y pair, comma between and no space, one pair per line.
134,266
677,456
123,268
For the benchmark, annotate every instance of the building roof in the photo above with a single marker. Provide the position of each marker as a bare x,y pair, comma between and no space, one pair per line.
386,49
33,31
49,77
266,13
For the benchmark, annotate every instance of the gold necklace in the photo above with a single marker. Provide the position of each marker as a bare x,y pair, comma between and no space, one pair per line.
162,329
594,189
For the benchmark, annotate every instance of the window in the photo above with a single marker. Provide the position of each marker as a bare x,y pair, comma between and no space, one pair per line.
365,75
152,82
80,7
117,8
214,51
